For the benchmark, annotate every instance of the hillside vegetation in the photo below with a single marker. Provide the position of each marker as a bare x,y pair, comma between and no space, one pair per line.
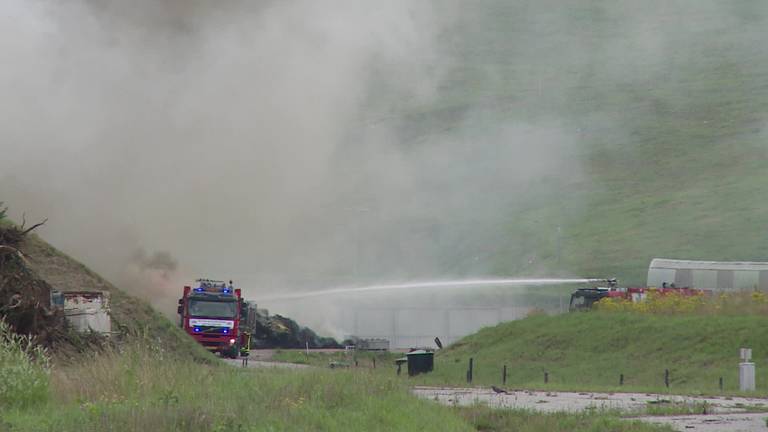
664,109
588,351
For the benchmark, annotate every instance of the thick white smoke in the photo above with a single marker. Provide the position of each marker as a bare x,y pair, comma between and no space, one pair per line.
288,145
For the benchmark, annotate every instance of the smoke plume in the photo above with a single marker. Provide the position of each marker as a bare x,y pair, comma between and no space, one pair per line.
296,144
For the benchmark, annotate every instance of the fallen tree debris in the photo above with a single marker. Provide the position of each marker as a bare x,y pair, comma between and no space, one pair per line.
25,298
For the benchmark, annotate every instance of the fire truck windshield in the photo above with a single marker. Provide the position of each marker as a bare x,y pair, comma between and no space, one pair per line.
212,309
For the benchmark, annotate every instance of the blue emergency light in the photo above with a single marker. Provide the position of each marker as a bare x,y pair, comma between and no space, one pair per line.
212,287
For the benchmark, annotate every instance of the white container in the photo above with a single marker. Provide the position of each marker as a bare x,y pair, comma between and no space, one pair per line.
87,311
747,376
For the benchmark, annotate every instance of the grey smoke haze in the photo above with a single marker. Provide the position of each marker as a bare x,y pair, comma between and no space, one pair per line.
252,140
215,132
292,144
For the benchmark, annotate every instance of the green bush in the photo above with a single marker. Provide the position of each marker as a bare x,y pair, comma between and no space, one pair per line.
24,370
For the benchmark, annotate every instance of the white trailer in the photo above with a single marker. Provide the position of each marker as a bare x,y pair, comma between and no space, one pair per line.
709,275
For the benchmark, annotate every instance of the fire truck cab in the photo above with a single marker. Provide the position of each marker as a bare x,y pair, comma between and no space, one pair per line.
585,298
210,313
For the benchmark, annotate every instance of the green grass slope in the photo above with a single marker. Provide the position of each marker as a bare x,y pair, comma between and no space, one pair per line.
665,108
590,351
130,315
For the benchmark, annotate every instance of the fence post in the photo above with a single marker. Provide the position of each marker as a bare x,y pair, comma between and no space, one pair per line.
469,371
721,383
546,377
621,379
504,375
374,362
666,377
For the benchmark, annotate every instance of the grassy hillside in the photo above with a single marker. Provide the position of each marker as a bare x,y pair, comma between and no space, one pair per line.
130,315
664,107
591,350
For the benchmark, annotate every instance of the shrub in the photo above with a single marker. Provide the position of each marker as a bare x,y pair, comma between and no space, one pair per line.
24,369
737,303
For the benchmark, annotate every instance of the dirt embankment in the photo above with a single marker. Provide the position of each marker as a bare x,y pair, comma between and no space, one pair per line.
30,268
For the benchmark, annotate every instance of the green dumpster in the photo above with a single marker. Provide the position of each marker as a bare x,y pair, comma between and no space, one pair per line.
420,361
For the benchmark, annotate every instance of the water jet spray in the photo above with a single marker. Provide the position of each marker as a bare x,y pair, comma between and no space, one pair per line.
469,283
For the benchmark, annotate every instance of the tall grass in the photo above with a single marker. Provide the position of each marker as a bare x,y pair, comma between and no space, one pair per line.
143,388
24,370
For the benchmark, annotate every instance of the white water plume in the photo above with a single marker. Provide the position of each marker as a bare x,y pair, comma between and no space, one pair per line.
470,283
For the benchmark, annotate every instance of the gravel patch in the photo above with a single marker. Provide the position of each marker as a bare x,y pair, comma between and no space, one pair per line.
726,414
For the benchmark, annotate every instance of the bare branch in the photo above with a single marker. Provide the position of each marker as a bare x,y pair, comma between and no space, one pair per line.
23,220
39,224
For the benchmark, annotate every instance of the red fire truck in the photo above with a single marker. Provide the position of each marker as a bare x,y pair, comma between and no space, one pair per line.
585,298
212,314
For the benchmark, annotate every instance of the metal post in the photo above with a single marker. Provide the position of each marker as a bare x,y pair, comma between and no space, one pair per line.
721,383
469,371
746,376
666,378
374,362
546,377
621,379
504,375
746,371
